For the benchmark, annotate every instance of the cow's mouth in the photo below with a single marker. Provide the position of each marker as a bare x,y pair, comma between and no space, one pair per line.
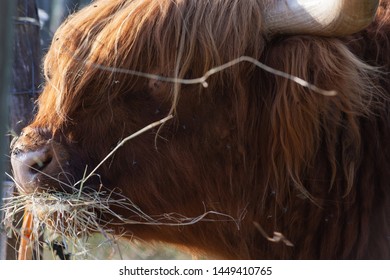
70,200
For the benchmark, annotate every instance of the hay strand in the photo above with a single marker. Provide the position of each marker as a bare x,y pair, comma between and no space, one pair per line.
27,237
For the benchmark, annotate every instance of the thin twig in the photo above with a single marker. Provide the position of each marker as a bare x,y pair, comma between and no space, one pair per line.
278,237
132,136
203,80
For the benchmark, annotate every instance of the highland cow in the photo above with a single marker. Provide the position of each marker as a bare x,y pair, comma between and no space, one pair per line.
281,153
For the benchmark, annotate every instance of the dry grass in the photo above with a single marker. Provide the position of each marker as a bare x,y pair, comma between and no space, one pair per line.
72,219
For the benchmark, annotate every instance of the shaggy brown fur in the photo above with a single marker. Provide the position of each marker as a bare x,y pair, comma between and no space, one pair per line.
312,167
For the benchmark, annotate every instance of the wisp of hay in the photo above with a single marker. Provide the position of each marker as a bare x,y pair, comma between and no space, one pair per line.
76,216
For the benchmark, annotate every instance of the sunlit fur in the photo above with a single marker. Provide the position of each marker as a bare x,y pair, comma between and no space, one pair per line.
314,168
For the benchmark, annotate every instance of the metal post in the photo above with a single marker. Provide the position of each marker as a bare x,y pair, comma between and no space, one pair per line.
26,77
25,80
6,34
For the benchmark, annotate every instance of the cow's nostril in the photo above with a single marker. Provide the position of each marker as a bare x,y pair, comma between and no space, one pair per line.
27,164
40,165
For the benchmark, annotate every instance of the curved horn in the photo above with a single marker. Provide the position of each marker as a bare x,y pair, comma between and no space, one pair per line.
319,17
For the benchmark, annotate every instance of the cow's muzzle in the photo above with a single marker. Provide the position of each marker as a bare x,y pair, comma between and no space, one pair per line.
40,164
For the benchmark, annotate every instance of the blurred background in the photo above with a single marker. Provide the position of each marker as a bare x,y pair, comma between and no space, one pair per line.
52,13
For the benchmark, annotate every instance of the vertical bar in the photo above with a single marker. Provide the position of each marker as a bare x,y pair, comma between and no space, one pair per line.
26,75
6,34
